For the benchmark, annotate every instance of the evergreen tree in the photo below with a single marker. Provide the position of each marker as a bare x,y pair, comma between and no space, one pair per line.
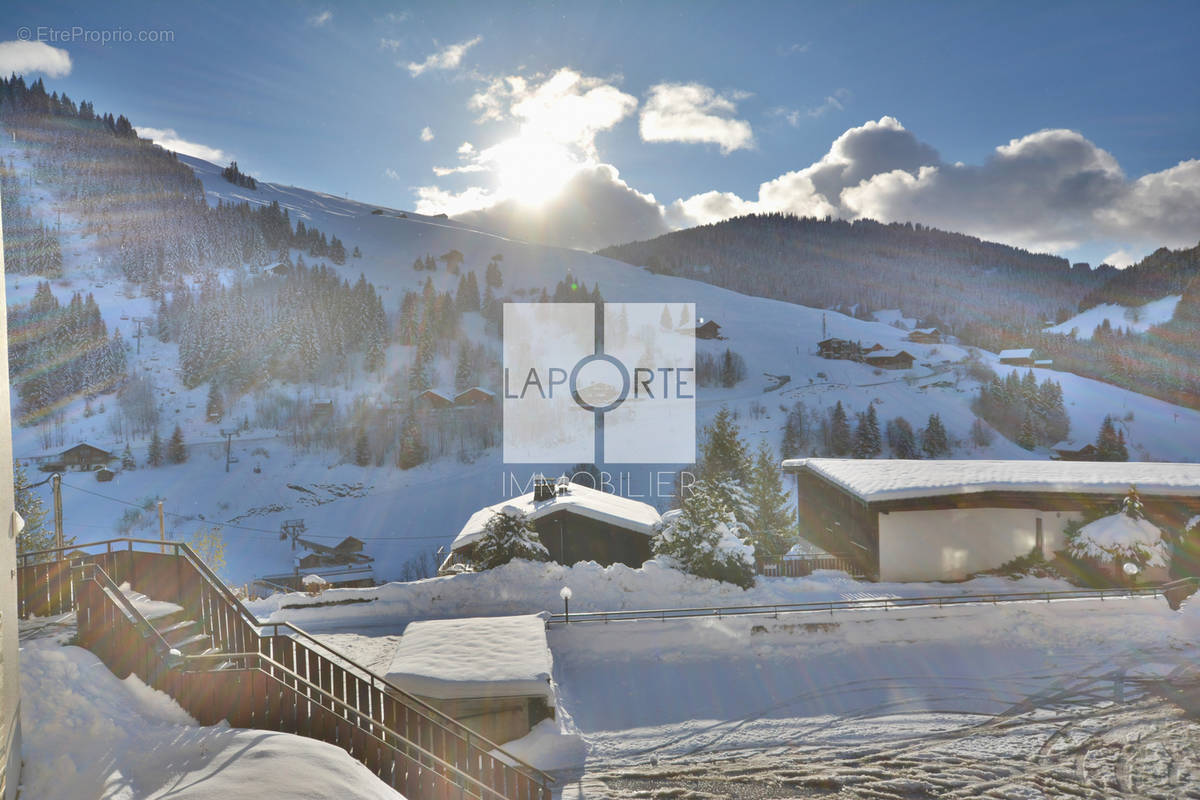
839,431
412,447
795,432
724,462
176,450
702,538
934,441
771,524
1110,443
214,409
155,456
901,439
665,321
980,435
723,456
463,373
507,537
362,449
127,460
867,441
492,276
28,504
1028,436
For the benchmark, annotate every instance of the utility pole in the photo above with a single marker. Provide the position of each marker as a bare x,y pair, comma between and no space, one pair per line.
56,485
162,529
292,528
228,443
139,321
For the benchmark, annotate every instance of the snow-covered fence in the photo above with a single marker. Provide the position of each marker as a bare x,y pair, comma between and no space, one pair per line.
1172,591
793,567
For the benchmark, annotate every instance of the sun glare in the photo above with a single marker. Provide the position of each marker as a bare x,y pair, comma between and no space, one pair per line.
532,169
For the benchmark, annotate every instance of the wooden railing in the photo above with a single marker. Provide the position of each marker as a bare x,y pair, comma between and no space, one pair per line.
799,567
273,676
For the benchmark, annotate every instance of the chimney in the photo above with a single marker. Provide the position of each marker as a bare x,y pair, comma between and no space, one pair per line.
543,489
562,485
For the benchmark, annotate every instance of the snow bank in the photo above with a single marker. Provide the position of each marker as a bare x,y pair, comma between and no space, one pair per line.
547,748
474,657
88,735
525,587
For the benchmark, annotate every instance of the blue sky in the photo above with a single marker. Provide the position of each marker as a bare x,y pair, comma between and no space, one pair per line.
654,115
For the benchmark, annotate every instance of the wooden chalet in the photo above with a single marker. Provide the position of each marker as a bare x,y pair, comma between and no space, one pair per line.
925,336
574,522
1022,357
83,457
1075,451
889,359
843,349
433,400
708,330
947,520
475,396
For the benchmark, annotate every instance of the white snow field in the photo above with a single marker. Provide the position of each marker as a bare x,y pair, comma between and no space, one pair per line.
1137,319
989,700
88,735
400,514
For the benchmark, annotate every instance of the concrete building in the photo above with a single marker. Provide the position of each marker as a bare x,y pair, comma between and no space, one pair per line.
945,520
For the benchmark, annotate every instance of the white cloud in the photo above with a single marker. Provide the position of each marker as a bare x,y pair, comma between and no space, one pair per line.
1120,259
321,19
435,200
391,173
1052,190
690,112
593,209
427,134
834,102
390,44
447,58
796,47
169,139
23,57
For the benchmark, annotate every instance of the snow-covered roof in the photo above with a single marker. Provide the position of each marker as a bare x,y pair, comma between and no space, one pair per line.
474,657
448,397
582,500
879,354
1120,532
896,479
475,389
1022,353
804,548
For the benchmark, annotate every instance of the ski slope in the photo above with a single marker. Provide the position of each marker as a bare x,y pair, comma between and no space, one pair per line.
399,514
1137,319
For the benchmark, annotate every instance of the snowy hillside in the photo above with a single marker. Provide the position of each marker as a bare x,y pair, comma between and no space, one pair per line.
1137,319
399,514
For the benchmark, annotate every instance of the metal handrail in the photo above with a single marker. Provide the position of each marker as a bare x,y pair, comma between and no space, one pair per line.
434,715
277,668
885,603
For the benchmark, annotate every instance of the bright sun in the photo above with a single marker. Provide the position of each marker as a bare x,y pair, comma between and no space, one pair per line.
531,168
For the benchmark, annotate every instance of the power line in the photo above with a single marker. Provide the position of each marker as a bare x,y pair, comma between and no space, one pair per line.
188,518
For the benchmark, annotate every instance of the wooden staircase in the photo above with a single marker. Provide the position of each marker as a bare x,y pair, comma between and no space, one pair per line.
220,662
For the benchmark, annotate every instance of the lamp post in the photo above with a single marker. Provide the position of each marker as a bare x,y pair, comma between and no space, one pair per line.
565,594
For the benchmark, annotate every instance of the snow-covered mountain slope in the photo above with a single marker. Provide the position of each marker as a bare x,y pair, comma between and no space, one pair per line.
399,514
1137,319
